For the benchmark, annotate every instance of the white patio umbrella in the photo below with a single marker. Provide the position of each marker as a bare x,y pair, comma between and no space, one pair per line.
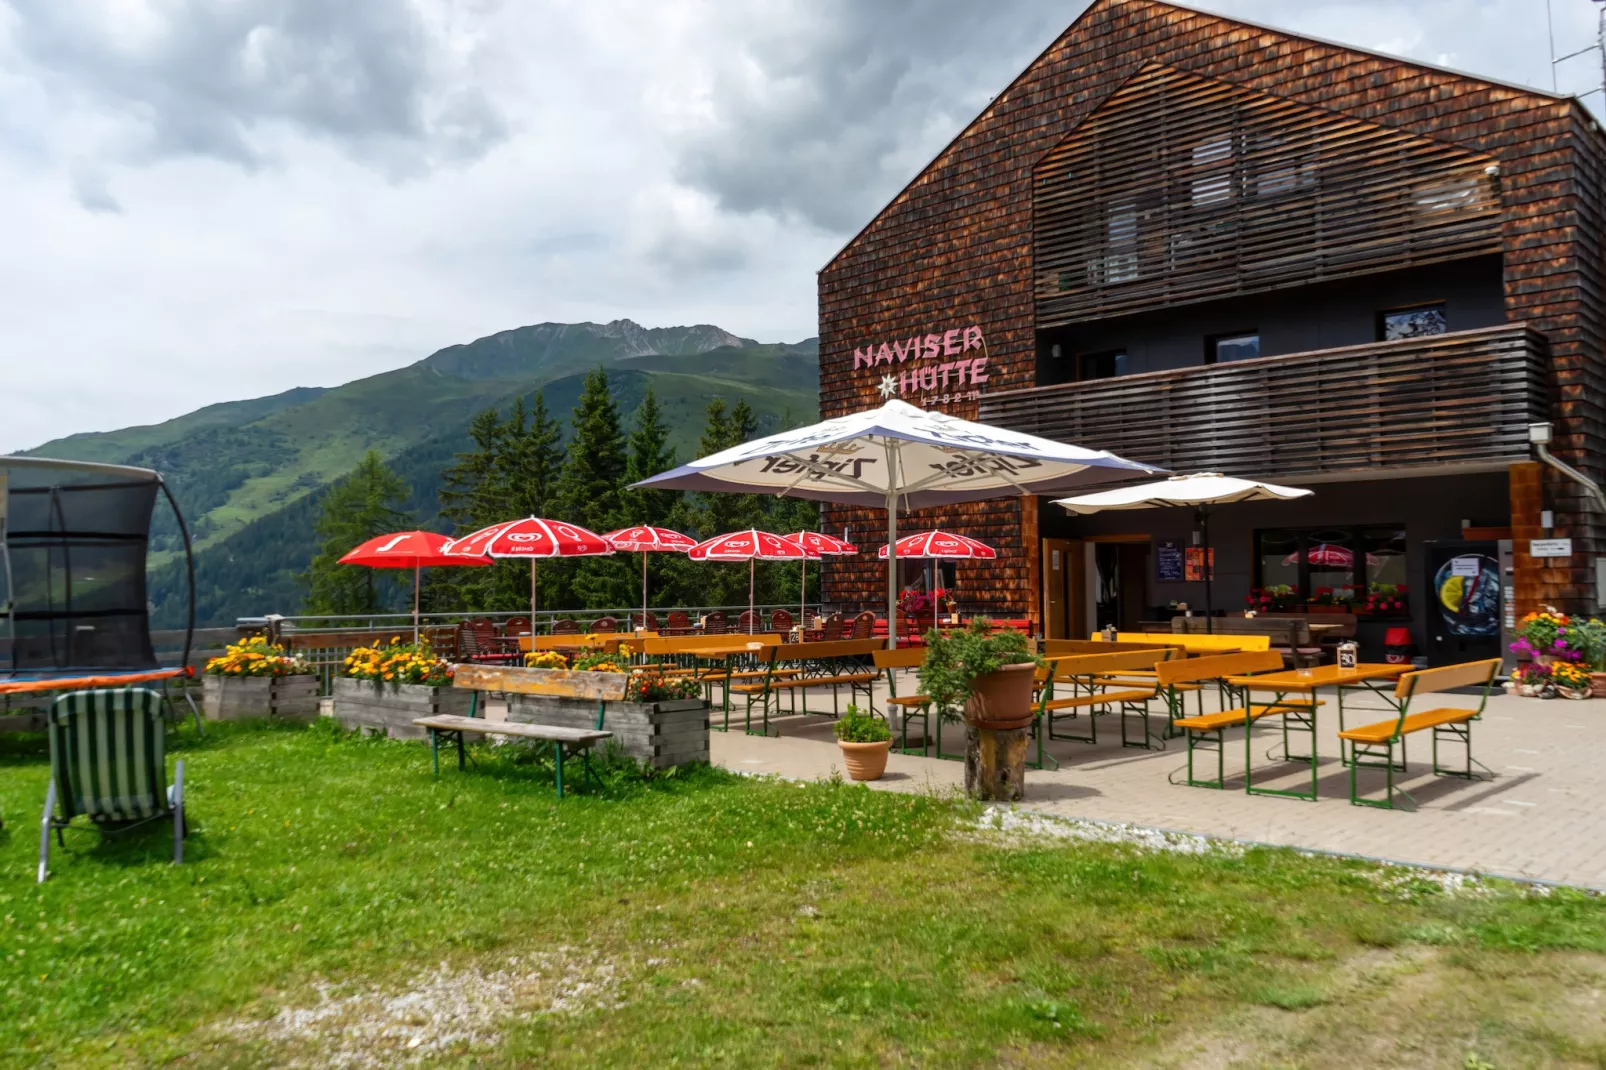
1199,491
898,456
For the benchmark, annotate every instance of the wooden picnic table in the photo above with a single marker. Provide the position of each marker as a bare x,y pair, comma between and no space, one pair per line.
562,739
1301,714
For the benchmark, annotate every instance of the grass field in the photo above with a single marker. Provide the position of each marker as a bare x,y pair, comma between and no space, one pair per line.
341,906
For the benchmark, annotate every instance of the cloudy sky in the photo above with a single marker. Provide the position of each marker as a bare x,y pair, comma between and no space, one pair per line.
215,199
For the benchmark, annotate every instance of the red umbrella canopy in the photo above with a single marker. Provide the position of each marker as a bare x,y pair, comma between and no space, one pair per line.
646,540
407,549
821,545
941,544
749,545
529,538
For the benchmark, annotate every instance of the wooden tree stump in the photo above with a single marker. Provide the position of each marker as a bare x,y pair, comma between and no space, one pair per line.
995,763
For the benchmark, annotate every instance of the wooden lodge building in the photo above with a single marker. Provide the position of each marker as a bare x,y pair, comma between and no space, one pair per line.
1214,246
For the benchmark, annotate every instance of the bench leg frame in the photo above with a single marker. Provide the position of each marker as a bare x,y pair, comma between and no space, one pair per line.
1217,741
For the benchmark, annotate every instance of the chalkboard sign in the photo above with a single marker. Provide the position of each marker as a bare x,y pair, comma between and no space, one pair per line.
1168,562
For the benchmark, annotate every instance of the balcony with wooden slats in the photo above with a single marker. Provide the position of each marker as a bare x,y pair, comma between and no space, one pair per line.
1451,402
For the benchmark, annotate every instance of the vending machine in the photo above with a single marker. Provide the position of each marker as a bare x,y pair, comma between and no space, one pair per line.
1469,615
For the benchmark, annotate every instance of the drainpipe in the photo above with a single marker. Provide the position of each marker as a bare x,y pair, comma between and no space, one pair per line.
1539,435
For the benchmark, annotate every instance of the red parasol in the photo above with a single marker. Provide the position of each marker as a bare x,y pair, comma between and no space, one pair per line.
945,545
822,546
645,540
750,546
408,549
531,538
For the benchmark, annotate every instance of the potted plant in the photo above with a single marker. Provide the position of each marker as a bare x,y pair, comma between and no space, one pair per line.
1383,600
385,688
256,678
986,673
865,740
1542,637
1589,639
1533,681
1571,679
1277,598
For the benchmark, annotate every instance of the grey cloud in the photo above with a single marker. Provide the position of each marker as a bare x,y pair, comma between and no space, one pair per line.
823,122
90,190
207,78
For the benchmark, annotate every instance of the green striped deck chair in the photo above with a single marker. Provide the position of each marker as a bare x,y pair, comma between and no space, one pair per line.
108,762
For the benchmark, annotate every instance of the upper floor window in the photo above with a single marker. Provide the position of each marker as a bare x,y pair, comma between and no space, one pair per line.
1212,170
1240,345
1121,259
1101,365
1415,322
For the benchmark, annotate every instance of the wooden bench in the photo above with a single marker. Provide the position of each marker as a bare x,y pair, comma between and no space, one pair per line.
562,739
1289,636
1208,731
1371,742
910,706
834,664
1096,684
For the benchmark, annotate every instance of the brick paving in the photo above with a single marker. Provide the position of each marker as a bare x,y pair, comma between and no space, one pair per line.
1542,816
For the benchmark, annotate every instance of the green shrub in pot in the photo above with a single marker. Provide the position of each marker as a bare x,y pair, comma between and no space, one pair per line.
954,661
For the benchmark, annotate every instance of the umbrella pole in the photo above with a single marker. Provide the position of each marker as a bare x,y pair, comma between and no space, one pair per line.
415,602
752,618
532,597
892,547
1204,524
644,591
802,591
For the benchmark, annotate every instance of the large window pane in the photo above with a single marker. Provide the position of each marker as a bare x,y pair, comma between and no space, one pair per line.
1330,559
1385,556
1279,558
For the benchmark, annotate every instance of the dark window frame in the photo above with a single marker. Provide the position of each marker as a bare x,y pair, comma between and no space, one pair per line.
1383,314
1305,537
1213,340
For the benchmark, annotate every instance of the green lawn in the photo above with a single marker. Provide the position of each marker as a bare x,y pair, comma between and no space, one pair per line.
705,919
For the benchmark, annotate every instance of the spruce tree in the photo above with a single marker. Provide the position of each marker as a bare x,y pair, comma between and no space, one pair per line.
650,455
590,493
363,505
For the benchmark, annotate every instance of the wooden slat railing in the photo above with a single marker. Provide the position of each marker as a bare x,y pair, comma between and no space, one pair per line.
1449,400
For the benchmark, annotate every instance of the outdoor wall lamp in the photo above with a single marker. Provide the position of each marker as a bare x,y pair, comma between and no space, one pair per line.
1540,435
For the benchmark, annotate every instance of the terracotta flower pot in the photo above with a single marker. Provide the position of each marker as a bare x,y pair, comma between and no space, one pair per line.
1001,700
865,761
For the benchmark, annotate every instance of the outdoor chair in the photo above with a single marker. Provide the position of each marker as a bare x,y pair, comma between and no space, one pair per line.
750,621
715,623
679,623
605,625
516,626
108,763
648,621
832,629
1372,745
566,626
780,621
864,625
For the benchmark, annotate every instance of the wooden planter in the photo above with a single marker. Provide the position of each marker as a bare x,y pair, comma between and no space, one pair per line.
663,734
281,698
390,709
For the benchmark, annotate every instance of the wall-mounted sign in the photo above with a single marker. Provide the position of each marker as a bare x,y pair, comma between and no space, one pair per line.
929,367
1168,562
1467,566
1195,570
1550,547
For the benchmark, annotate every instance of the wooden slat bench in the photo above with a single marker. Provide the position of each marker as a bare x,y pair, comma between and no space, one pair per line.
1208,731
562,739
1096,684
910,706
1372,745
832,664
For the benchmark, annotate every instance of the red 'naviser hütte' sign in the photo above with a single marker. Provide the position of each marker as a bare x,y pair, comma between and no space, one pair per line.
950,343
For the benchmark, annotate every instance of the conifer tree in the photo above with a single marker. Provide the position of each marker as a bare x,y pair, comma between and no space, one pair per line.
650,454
590,493
363,505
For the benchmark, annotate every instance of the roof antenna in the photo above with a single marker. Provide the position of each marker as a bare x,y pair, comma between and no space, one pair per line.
1598,45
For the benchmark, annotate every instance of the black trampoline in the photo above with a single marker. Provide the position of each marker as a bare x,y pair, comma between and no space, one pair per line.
73,611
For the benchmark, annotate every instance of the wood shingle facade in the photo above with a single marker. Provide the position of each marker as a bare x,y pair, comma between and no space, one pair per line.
1156,159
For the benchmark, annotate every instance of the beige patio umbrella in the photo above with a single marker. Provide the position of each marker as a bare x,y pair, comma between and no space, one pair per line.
1199,491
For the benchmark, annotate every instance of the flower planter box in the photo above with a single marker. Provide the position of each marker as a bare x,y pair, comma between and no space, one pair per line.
281,698
663,734
390,709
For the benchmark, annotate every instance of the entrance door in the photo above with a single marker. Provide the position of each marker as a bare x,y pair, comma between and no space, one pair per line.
1464,601
1122,568
1063,615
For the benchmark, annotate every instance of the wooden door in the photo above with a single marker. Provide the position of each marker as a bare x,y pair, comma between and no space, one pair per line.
1062,569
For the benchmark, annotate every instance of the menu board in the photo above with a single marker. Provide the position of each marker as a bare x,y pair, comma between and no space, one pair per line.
1195,569
1168,562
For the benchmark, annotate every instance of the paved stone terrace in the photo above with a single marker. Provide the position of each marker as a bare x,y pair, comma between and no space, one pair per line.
1543,815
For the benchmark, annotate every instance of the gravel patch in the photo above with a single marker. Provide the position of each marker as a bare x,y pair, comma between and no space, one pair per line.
1022,828
447,1011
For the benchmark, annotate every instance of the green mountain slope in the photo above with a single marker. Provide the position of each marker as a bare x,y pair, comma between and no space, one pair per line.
248,473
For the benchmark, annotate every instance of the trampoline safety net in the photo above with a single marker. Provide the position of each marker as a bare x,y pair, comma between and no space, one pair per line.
73,586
